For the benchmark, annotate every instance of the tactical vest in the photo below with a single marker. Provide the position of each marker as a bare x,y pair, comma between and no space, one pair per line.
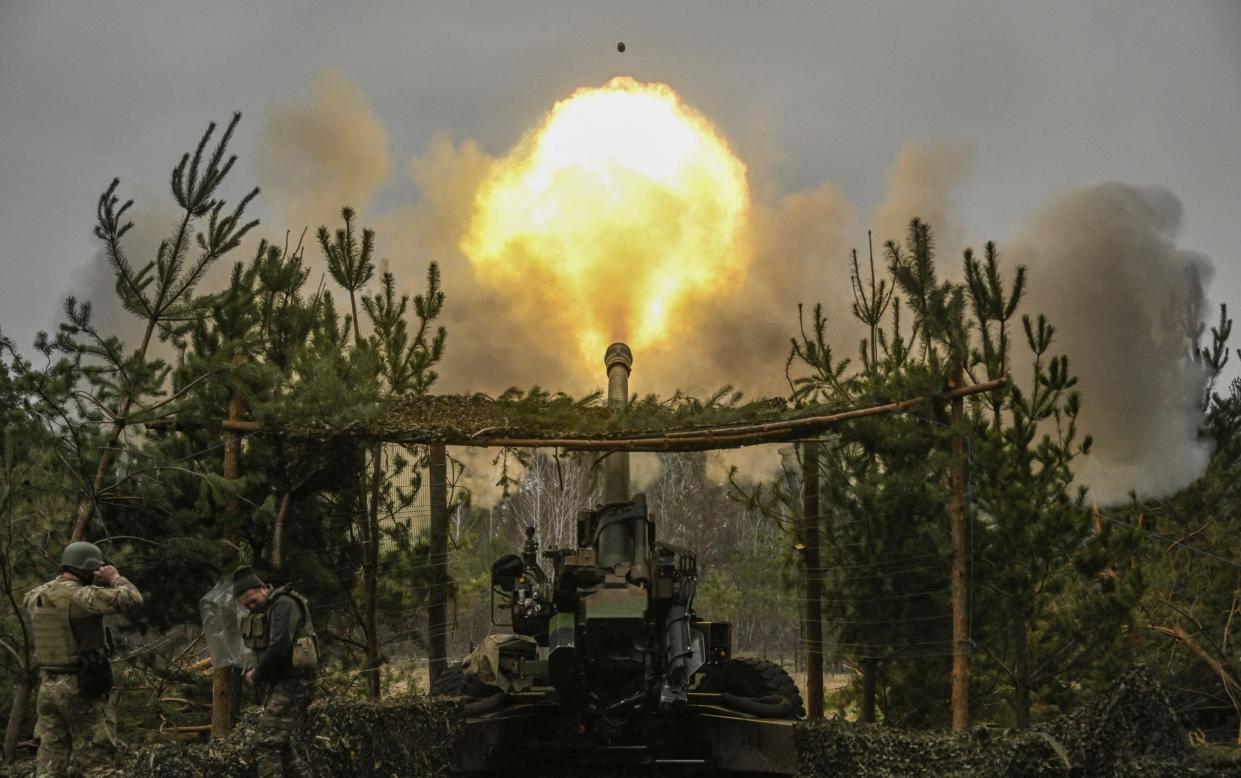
256,627
59,637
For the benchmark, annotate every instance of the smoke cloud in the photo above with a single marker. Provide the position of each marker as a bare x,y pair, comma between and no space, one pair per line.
489,347
1106,270
799,248
155,219
921,183
313,158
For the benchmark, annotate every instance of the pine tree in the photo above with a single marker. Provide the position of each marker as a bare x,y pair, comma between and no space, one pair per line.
406,366
159,292
1039,593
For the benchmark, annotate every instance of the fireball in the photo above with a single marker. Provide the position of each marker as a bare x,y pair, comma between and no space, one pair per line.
620,209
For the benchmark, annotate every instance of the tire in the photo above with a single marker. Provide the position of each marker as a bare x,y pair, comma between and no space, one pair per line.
755,686
453,682
450,683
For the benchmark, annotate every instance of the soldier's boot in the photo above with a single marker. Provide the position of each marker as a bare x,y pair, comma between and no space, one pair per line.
271,748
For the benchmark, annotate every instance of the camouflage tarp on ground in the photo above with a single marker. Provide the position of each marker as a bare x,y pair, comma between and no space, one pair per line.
1131,732
403,736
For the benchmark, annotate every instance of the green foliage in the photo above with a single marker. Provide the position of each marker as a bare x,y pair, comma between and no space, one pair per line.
137,437
1042,610
1186,552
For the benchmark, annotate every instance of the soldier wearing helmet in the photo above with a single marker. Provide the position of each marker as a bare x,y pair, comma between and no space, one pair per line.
76,721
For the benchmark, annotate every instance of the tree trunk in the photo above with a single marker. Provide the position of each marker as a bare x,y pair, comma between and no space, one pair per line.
371,573
1021,669
813,581
870,669
222,703
437,610
960,609
277,533
17,714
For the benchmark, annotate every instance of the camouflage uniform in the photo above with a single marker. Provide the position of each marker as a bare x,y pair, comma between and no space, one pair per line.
284,713
272,634
67,618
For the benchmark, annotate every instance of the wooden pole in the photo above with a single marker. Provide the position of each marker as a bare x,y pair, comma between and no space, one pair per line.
960,612
812,612
437,611
222,677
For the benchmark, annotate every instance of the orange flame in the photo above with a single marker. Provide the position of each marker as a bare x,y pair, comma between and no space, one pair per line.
622,207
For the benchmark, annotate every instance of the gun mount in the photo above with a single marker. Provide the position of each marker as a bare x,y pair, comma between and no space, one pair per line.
606,658
613,629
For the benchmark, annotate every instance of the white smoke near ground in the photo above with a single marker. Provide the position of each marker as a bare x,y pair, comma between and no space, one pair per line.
1106,270
644,470
479,473
754,464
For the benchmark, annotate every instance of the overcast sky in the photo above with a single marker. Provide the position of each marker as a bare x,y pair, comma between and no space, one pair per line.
1044,98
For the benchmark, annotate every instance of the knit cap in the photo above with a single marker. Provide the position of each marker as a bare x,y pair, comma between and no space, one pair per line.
244,579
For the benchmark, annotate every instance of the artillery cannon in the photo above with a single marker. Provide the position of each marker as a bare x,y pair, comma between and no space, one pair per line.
607,659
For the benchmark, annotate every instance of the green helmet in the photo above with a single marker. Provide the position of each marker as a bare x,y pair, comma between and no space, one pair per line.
82,556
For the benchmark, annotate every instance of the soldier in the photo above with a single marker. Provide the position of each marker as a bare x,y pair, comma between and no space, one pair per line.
278,629
76,721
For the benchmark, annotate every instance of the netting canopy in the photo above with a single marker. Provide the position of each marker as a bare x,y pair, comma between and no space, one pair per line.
538,419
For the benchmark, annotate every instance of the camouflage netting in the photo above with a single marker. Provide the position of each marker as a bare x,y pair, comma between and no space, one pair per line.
403,736
537,415
1131,732
1132,728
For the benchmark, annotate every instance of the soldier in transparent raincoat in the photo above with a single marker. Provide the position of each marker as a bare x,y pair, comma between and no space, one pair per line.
279,631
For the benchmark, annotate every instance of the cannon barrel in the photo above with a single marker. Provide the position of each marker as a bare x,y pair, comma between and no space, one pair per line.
618,360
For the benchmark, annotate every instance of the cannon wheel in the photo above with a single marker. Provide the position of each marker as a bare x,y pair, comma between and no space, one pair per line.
452,682
756,679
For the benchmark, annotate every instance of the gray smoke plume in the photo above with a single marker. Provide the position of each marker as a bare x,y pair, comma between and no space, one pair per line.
315,157
155,219
1107,272
489,347
920,183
